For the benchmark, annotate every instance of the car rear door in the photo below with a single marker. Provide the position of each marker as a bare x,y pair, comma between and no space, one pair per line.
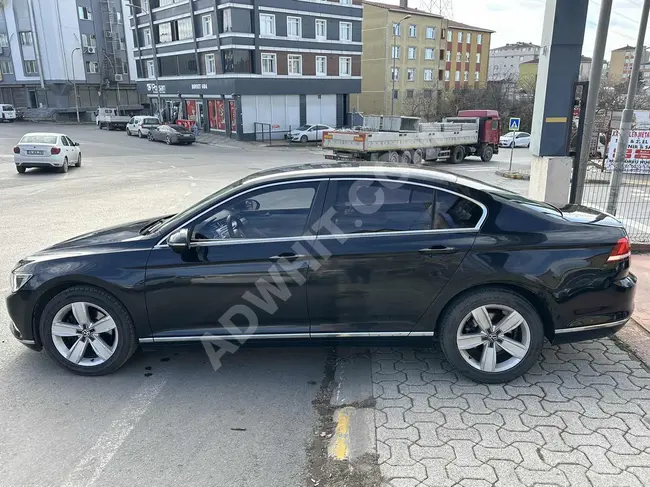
388,249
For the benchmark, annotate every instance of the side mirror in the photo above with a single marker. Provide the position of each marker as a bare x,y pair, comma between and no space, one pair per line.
179,241
76,144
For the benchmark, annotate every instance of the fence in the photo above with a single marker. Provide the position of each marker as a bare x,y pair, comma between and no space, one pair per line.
265,132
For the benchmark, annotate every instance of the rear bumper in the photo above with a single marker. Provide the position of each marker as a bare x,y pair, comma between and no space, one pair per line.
26,161
591,332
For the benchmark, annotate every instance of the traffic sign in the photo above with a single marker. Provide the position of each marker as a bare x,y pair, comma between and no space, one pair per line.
514,124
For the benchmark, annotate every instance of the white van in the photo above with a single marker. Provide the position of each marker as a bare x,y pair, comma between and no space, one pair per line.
7,112
140,125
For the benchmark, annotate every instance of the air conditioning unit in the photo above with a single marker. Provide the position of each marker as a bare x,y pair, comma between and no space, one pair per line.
119,77
90,50
109,33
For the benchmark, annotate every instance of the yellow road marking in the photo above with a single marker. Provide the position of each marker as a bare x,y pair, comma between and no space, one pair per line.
341,443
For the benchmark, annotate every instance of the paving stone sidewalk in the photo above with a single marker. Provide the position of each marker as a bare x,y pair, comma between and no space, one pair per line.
580,417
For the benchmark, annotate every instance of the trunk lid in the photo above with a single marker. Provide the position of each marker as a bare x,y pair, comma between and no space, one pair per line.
593,216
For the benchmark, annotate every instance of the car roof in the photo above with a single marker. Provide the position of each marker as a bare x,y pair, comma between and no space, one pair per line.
58,134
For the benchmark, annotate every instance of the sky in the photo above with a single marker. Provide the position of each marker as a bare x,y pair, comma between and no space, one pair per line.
521,20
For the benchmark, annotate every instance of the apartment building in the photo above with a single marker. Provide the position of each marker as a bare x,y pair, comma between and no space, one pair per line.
237,66
47,47
466,56
505,61
620,63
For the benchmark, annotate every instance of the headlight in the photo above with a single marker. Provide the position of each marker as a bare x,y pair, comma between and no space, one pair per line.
18,280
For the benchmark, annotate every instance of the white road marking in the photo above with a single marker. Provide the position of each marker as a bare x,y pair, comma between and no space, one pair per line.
92,464
187,194
35,192
173,166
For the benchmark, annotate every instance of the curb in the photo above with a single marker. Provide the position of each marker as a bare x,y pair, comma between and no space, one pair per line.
635,338
354,435
513,175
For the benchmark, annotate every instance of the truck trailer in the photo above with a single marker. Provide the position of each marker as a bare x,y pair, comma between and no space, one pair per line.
410,140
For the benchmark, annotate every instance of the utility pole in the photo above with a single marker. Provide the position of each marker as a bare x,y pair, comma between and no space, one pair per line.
396,27
592,95
628,116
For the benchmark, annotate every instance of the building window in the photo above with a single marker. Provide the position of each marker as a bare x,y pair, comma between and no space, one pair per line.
4,40
431,33
206,23
226,20
428,75
321,29
413,30
294,27
409,93
460,36
321,65
449,34
88,40
267,24
427,93
466,76
448,56
92,67
479,39
345,2
295,64
396,52
146,37
458,54
467,57
345,66
410,74
428,53
210,64
85,13
164,33
150,70
184,29
477,76
395,94
457,76
396,29
411,53
26,38
446,75
269,64
478,58
394,74
31,67
345,31
6,67
469,37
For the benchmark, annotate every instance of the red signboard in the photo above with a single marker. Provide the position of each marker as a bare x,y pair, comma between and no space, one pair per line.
191,109
217,114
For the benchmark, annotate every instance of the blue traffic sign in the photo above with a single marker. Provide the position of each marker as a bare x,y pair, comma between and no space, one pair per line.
514,124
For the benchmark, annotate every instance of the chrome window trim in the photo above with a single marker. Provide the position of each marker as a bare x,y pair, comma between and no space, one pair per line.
208,243
576,329
270,336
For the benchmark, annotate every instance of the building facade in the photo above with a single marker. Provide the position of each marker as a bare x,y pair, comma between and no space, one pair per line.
242,66
49,47
620,64
466,56
506,60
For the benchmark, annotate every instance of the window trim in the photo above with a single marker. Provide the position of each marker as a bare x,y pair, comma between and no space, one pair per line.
316,36
153,69
214,61
289,56
272,16
203,24
299,24
275,63
433,32
349,58
316,65
341,24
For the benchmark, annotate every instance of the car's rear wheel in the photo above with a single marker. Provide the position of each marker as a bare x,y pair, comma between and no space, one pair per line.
150,136
21,169
491,335
457,154
87,331
139,134
418,156
168,140
78,160
393,157
65,166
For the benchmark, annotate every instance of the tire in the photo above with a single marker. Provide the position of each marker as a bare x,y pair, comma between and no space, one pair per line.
303,139
128,132
529,335
65,167
139,134
418,156
99,125
150,137
393,157
457,154
78,164
486,155
406,157
168,140
21,169
120,340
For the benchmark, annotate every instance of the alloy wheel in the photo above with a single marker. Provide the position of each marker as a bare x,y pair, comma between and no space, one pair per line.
493,338
84,333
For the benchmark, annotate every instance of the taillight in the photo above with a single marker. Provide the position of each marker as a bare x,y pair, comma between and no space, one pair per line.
55,150
16,150
621,250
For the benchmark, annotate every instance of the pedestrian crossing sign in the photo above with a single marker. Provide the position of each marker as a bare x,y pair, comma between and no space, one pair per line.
514,123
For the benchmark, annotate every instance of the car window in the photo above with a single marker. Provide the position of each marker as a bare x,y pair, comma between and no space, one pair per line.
64,141
70,141
132,121
453,211
150,121
273,212
8,108
38,139
369,206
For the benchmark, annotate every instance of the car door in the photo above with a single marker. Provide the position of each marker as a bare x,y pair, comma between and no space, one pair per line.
131,124
312,133
522,139
390,250
160,132
74,150
65,148
253,281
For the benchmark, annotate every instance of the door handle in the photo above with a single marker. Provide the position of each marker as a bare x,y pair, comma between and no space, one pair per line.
437,249
289,256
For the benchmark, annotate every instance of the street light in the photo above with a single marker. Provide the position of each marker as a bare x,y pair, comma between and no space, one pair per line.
393,50
74,82
153,50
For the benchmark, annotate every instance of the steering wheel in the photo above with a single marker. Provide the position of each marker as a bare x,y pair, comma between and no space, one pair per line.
235,231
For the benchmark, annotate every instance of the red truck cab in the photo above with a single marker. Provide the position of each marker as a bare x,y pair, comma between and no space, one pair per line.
489,126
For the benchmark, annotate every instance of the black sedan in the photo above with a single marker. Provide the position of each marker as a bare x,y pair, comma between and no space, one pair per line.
171,134
334,251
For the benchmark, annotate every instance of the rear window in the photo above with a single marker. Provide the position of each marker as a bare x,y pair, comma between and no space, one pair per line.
38,139
151,121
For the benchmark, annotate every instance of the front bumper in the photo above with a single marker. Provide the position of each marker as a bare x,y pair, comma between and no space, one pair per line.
20,309
18,336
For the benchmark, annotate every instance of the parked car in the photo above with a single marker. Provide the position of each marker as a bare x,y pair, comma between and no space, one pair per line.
171,134
19,114
309,132
45,149
334,251
519,139
140,125
7,112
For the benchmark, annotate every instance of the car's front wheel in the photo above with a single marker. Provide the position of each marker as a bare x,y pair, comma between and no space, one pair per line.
491,335
87,331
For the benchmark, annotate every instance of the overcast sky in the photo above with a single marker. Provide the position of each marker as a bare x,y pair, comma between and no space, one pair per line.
521,20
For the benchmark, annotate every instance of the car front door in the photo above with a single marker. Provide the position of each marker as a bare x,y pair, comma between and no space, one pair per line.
65,148
74,151
244,267
390,250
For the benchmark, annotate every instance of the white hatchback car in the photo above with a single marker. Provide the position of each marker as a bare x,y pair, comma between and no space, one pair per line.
49,150
140,125
7,112
308,132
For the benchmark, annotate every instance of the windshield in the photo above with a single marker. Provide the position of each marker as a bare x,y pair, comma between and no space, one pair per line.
509,135
302,128
38,139
8,108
